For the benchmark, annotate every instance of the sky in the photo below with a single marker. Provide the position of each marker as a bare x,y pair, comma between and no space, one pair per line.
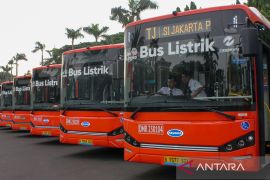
23,22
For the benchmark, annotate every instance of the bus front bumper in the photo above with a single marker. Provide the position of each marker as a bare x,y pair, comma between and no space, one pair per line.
45,131
6,123
241,160
19,126
91,139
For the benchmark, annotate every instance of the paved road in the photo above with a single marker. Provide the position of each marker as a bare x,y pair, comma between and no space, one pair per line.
25,157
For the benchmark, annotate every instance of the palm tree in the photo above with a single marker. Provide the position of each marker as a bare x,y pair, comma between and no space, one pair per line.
73,34
39,47
5,75
125,16
96,31
11,63
17,58
6,68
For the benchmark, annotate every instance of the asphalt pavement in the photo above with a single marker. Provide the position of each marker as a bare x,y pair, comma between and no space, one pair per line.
26,157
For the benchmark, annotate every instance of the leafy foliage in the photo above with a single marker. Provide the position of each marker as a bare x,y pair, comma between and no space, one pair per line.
74,34
39,47
96,31
17,58
5,76
136,7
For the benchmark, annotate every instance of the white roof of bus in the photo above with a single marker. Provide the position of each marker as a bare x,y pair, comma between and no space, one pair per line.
262,17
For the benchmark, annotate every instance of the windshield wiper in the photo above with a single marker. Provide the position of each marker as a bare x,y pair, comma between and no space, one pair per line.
135,112
231,117
141,107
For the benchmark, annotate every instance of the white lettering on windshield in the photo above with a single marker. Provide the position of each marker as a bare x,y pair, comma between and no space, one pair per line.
45,83
205,45
89,71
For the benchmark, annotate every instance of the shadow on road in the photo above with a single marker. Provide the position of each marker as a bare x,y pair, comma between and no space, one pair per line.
29,136
5,128
54,142
16,132
99,153
161,172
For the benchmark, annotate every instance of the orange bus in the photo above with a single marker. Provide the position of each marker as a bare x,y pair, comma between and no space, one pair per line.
21,103
6,100
92,96
46,100
196,85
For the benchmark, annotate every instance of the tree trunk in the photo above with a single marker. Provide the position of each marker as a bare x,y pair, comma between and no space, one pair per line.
17,68
11,70
42,58
72,44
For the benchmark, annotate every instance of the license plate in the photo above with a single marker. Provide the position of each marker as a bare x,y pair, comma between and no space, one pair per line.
8,125
23,128
46,133
175,161
86,142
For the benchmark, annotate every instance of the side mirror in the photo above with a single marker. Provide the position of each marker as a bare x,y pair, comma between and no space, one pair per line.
249,41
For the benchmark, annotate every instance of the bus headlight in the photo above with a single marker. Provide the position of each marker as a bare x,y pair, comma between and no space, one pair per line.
239,143
250,138
63,129
229,147
116,132
130,140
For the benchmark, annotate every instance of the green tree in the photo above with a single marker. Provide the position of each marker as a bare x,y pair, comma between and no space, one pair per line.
192,5
186,8
133,13
40,47
55,56
17,58
11,63
5,75
73,34
238,2
6,68
178,9
96,31
113,39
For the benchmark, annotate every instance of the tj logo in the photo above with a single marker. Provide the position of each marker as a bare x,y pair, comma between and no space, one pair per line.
228,41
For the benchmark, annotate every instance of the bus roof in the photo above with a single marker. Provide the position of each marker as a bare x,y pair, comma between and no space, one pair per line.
93,48
7,82
49,66
253,13
22,77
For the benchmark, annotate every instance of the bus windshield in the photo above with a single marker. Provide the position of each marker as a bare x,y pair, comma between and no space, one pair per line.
7,95
191,59
46,87
93,77
22,88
